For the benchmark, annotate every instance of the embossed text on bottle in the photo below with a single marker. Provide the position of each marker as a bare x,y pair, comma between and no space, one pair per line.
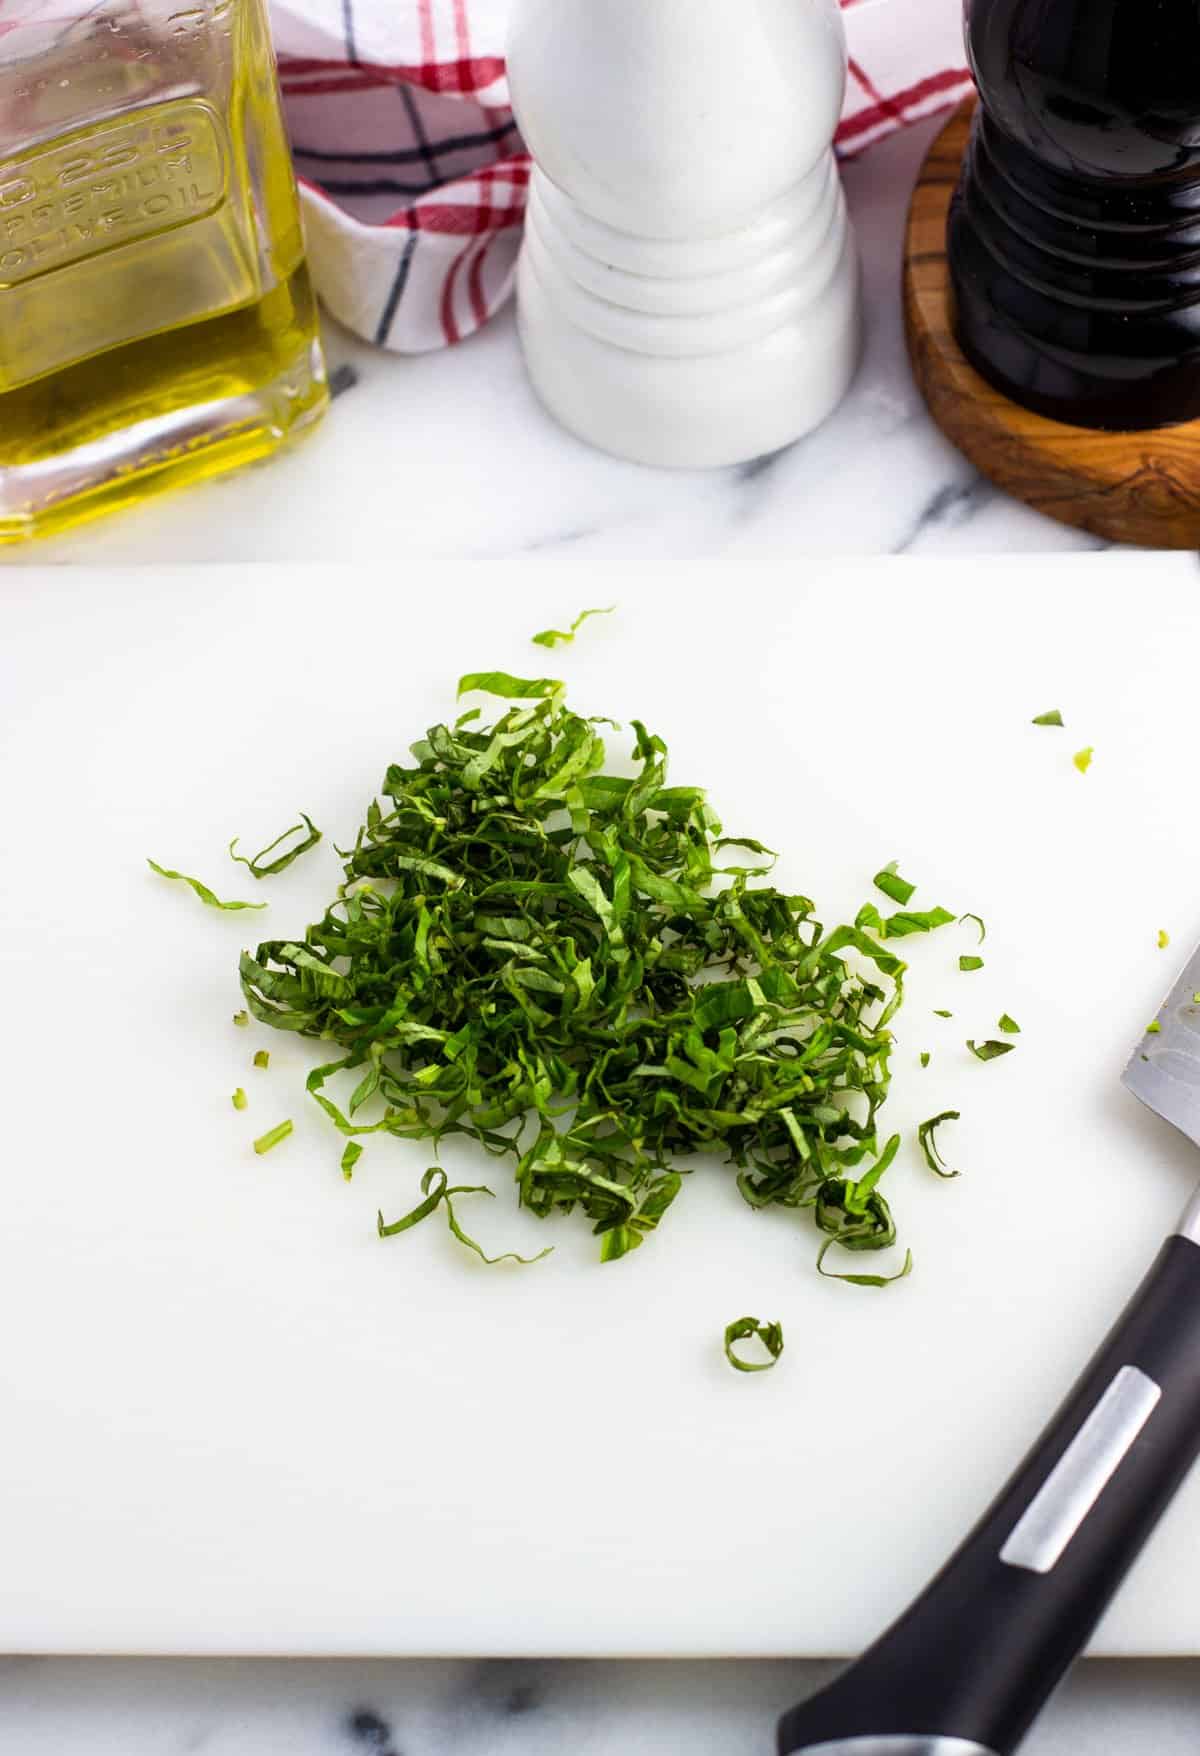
110,186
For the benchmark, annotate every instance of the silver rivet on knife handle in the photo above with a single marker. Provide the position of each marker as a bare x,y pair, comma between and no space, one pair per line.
1061,1506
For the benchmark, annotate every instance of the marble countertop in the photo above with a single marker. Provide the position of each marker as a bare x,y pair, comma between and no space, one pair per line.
86,1707
450,455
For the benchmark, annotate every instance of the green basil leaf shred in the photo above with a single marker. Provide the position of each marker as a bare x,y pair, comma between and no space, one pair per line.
511,688
206,896
895,888
925,1136
437,1194
863,1280
1053,718
259,867
272,1137
552,637
769,1334
990,1050
908,921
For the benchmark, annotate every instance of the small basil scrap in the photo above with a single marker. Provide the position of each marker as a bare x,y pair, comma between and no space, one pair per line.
510,688
990,1050
929,1146
552,637
241,1019
938,1012
259,867
1164,939
1083,758
272,1137
900,926
1009,1025
240,1100
925,1057
436,1193
1053,718
350,1158
969,963
770,1335
208,897
894,887
978,920
864,1280
262,1058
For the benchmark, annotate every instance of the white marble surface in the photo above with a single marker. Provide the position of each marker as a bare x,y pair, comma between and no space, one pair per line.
86,1707
450,454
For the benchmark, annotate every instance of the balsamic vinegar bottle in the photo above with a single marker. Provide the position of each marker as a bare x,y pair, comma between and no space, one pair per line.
1074,236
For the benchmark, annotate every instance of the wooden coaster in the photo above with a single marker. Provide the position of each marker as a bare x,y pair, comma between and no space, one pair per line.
1128,487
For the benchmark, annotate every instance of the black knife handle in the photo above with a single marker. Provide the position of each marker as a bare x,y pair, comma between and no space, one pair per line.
971,1664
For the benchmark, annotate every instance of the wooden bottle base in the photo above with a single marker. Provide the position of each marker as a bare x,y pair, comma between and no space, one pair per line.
1127,487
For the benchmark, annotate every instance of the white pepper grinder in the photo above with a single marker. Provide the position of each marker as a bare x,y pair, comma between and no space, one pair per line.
688,288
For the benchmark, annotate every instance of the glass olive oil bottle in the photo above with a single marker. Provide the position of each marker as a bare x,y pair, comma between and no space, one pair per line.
156,320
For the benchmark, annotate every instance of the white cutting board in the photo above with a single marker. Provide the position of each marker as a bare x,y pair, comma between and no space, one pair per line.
232,1420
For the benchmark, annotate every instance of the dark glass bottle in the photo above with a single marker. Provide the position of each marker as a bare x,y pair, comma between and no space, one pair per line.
1074,236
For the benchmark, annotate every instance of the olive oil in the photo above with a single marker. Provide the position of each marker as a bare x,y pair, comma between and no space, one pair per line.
157,324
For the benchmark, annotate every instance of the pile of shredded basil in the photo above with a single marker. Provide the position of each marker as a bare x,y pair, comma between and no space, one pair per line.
578,971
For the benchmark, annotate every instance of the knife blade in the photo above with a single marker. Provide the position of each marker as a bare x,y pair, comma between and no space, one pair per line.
1163,1072
968,1667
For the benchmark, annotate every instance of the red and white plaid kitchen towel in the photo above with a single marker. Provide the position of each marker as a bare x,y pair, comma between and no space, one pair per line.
412,171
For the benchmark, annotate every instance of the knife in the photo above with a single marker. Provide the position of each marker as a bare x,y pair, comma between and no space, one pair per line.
968,1667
